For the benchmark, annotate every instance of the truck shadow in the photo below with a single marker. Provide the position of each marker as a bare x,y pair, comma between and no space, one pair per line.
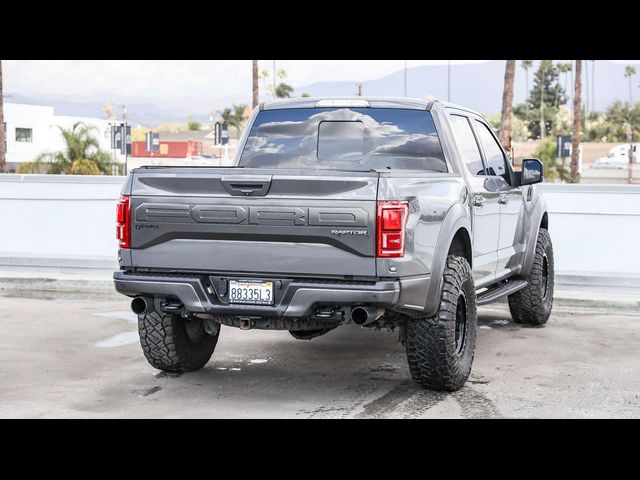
349,373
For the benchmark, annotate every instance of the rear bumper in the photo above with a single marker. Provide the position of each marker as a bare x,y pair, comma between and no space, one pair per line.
296,298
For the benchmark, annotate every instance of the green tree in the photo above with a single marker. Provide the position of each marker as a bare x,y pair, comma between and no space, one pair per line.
305,94
613,124
81,155
544,99
234,117
546,152
193,125
629,72
283,90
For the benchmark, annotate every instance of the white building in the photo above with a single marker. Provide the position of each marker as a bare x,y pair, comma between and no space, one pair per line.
33,129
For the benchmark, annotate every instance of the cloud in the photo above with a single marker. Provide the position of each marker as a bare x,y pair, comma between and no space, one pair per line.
153,79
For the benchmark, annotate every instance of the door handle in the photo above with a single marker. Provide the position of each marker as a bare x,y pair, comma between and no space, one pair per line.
479,201
503,200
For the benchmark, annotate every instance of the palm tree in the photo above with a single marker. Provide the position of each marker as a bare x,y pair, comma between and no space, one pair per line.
234,117
256,99
3,160
284,90
507,105
575,140
629,72
526,65
565,68
264,75
81,155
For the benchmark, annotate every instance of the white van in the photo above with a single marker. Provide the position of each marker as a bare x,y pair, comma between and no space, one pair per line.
618,157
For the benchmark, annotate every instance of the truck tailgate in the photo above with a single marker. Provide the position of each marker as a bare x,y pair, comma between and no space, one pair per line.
254,221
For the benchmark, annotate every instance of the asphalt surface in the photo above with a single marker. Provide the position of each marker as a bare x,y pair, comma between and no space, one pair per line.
62,358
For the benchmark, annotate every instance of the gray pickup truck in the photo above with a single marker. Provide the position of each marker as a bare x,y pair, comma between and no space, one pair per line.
386,213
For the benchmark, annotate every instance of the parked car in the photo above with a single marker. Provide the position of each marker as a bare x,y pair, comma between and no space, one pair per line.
384,213
617,158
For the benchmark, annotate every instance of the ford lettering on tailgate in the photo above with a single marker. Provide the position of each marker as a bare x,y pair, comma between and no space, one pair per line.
252,215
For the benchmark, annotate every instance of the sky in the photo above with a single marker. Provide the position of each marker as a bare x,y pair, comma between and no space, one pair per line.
182,78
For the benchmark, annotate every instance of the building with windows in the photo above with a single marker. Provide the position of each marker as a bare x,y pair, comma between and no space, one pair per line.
33,129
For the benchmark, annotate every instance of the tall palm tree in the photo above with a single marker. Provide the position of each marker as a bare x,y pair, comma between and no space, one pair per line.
264,75
81,155
575,140
565,68
507,105
526,65
629,72
256,99
3,160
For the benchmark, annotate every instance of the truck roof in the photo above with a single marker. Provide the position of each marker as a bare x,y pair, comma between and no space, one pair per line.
373,102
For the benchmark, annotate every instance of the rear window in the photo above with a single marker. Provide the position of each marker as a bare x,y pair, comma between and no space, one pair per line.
344,138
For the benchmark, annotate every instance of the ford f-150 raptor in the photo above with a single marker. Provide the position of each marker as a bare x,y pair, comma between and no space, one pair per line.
386,213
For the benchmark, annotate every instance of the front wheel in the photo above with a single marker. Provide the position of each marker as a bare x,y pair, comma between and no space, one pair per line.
532,305
175,344
440,348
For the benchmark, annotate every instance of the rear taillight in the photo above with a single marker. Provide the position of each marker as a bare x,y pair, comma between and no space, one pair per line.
392,217
123,229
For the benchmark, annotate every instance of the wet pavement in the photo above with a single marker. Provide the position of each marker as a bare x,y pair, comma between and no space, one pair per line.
81,358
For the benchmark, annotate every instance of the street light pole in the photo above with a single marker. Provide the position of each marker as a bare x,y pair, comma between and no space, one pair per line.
448,80
124,139
405,78
274,79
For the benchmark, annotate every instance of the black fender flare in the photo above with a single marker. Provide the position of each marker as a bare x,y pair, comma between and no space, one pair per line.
457,217
533,227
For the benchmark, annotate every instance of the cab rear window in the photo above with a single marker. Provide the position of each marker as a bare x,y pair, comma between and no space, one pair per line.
344,138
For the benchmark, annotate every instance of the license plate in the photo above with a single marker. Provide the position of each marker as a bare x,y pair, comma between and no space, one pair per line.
251,291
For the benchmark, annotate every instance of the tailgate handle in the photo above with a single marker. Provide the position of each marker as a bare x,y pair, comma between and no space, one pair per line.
243,185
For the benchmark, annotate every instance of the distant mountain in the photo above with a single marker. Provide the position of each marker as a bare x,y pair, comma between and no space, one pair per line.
148,112
478,86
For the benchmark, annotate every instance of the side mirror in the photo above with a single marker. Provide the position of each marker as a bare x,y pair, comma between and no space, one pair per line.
532,171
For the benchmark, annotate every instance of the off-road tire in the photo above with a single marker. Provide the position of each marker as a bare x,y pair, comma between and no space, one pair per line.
436,360
169,347
532,305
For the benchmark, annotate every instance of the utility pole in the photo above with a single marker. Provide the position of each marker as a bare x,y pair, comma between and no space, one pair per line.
593,85
3,159
124,138
586,100
448,80
405,78
274,79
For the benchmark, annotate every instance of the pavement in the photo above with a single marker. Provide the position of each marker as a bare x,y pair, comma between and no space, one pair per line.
79,356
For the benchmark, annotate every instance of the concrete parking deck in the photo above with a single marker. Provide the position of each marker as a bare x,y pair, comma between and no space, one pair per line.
80,357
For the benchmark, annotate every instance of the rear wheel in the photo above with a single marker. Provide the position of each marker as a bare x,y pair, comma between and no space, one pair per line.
440,348
532,305
174,344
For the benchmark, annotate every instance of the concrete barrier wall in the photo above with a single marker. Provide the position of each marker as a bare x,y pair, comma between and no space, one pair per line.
69,222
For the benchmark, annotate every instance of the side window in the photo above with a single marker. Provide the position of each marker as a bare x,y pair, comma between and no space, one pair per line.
467,144
496,161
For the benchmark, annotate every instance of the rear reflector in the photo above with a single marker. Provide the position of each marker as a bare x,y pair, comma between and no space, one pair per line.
123,228
392,217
